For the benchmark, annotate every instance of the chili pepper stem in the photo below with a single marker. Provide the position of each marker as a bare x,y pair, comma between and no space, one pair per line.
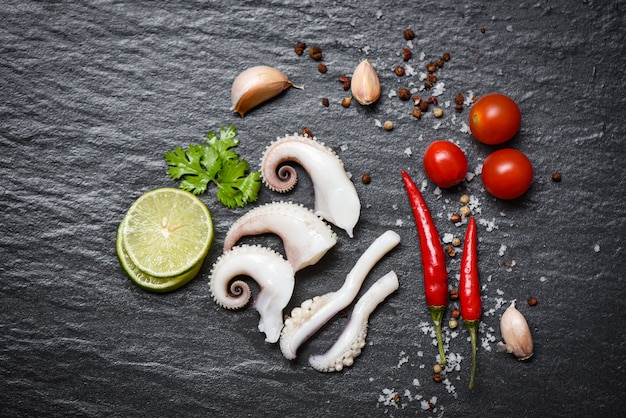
436,313
472,327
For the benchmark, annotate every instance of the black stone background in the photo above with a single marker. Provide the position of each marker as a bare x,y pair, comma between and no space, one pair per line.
93,93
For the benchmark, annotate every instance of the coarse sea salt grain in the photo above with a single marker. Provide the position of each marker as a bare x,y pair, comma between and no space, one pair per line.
491,225
403,359
399,222
450,387
408,152
447,238
438,89
388,397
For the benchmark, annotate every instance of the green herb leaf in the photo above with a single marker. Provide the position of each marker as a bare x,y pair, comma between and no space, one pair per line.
215,162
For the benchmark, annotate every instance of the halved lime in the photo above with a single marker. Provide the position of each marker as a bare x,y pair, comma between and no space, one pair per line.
166,233
145,281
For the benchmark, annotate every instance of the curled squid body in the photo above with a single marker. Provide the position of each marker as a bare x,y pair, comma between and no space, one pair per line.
273,274
336,199
352,339
306,237
313,314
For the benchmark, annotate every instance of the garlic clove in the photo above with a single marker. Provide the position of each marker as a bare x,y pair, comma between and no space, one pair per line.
516,333
255,86
365,83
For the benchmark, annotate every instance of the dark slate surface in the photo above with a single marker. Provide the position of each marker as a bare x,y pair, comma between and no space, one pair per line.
94,93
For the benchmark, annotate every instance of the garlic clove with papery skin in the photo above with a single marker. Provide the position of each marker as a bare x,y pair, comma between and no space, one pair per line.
257,85
516,333
365,83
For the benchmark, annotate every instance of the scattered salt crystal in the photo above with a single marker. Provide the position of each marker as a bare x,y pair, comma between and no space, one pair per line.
543,279
465,128
501,250
484,342
424,185
409,70
379,14
596,248
422,56
449,387
388,397
479,169
416,382
403,359
408,152
344,147
408,395
509,28
399,222
447,238
437,192
425,405
438,89
491,225
500,292
454,362
378,123
469,176
437,125
394,206
392,94
409,44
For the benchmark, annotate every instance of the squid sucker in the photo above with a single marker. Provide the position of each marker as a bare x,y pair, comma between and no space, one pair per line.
314,313
336,199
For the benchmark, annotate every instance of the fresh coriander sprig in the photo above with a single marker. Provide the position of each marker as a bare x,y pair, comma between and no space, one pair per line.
215,162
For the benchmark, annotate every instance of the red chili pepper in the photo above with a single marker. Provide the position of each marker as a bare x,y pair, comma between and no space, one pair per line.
471,304
433,260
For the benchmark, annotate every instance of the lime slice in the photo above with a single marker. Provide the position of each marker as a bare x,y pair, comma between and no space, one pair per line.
166,232
145,281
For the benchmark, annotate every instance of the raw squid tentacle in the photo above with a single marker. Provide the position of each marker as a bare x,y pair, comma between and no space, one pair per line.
269,269
314,313
336,199
352,339
306,237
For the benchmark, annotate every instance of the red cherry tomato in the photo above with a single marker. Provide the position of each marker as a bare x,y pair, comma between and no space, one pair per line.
507,173
445,163
494,119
